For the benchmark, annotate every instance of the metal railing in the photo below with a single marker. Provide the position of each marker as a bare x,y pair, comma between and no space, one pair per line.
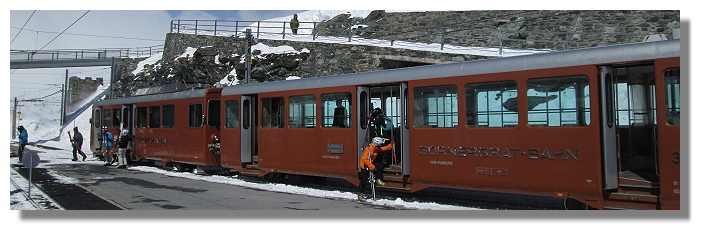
443,36
80,54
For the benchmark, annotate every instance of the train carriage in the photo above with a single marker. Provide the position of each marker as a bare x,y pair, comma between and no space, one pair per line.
173,128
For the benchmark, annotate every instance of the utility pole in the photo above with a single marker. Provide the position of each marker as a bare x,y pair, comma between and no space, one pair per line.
64,98
14,120
248,54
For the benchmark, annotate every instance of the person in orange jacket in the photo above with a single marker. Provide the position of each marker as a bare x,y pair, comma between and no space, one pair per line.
369,164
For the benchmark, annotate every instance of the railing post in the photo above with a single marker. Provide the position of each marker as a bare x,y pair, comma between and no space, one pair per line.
195,31
178,27
500,42
258,27
394,36
215,28
284,30
349,31
313,32
443,36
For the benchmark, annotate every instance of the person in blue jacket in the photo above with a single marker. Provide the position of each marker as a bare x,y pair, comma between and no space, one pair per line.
108,144
22,137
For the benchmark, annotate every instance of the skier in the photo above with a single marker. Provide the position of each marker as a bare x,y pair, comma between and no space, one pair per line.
108,144
123,144
368,167
77,142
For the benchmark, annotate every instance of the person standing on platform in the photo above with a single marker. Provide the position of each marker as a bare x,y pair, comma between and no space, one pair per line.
23,140
123,144
77,142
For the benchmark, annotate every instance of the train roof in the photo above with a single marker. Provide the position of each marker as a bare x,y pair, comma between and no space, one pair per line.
598,55
159,97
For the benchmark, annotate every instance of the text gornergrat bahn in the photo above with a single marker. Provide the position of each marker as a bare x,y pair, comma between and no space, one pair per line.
599,126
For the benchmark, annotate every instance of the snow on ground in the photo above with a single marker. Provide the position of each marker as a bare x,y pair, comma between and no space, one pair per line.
46,133
52,158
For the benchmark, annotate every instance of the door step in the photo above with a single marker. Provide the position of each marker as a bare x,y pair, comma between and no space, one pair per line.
634,192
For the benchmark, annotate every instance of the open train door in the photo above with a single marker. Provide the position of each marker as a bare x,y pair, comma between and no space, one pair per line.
248,133
96,128
363,136
127,123
610,151
392,99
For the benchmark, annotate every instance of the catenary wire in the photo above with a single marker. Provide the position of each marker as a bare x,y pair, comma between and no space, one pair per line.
67,28
25,24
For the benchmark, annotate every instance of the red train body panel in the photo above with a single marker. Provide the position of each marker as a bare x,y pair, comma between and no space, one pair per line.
600,126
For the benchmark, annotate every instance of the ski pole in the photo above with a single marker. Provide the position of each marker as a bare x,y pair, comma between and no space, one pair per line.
372,184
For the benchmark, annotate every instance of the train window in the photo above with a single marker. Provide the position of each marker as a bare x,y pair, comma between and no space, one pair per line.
363,110
106,117
195,115
302,111
436,107
272,112
673,94
214,113
561,101
96,118
336,110
231,113
116,117
246,114
168,116
492,104
154,118
142,117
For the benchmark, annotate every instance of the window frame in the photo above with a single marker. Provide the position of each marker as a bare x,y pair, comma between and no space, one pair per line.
195,115
299,111
168,118
580,109
425,115
505,114
346,116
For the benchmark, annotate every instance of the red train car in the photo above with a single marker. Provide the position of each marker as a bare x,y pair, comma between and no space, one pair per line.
173,128
599,126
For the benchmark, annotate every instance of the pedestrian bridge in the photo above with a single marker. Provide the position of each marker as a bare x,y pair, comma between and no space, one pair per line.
32,59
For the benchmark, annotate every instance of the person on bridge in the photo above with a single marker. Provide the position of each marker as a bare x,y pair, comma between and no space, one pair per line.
23,139
76,143
369,155
123,144
294,24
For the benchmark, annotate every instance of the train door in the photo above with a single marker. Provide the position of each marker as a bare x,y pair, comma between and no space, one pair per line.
96,128
127,123
630,121
392,100
668,103
248,133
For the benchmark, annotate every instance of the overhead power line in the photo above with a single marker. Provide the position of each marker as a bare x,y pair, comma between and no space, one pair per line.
67,28
25,24
89,35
